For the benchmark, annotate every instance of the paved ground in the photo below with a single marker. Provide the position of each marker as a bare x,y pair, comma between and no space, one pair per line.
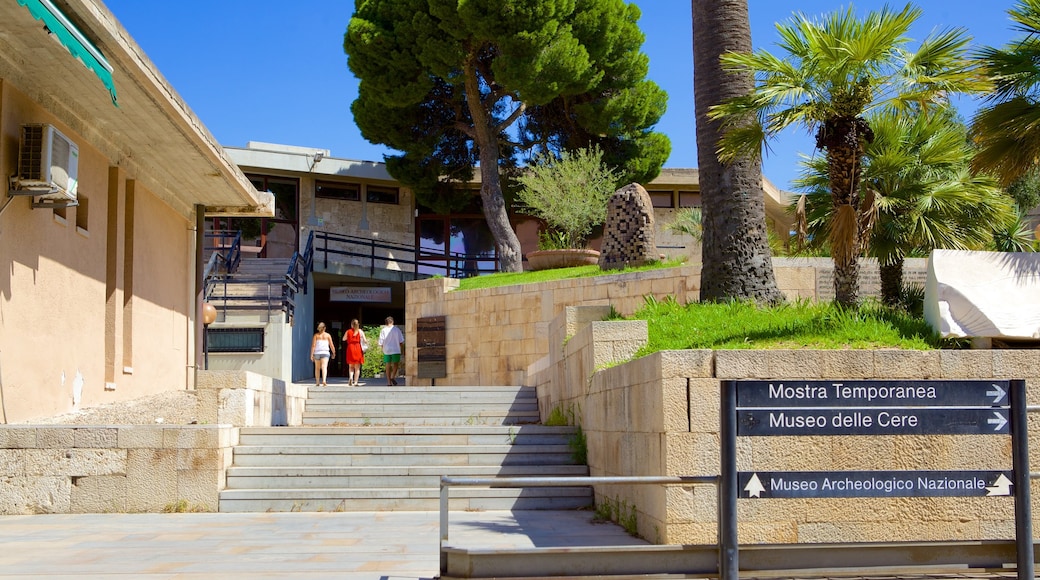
349,546
346,546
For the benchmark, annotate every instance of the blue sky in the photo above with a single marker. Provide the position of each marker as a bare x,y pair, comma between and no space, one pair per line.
275,71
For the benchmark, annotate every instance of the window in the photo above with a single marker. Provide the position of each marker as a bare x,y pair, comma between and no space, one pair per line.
661,198
345,191
83,213
689,199
235,339
379,194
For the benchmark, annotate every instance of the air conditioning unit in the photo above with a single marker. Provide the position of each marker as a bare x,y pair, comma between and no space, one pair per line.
48,163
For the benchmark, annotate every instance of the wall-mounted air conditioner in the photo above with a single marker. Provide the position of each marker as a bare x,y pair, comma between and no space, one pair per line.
48,164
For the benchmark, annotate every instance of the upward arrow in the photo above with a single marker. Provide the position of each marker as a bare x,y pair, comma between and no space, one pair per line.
1002,486
754,486
998,394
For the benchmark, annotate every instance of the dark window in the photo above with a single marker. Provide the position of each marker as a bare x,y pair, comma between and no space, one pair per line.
346,191
379,194
689,199
235,339
661,198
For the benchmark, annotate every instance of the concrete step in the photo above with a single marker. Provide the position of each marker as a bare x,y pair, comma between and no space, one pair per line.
376,448
419,435
384,476
403,499
334,456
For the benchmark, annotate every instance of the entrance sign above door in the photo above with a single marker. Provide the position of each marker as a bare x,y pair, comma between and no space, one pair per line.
359,294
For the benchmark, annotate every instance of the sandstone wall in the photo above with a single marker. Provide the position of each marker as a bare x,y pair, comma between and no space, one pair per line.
659,415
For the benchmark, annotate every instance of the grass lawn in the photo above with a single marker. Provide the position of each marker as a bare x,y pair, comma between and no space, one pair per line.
801,325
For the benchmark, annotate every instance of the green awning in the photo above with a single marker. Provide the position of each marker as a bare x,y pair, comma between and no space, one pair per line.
74,40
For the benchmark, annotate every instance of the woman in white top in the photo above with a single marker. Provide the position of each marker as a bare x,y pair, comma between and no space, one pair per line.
322,350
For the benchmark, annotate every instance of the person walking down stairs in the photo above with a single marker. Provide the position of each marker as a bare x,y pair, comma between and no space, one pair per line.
390,340
322,350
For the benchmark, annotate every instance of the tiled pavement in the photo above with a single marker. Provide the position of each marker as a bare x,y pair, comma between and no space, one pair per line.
347,546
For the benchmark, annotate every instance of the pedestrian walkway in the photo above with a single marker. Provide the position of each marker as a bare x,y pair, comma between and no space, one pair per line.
345,546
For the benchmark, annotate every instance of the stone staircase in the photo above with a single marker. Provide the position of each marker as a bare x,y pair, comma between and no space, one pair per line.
377,448
257,285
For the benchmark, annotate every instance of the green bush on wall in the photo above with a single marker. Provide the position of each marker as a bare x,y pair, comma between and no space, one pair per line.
374,357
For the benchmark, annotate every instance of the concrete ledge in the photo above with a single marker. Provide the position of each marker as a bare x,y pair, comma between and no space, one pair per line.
113,468
248,399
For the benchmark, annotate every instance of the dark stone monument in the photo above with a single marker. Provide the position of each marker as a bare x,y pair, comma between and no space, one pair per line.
629,237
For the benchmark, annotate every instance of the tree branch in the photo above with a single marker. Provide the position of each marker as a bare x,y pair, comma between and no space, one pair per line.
511,118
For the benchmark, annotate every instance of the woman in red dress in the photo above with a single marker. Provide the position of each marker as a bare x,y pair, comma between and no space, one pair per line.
357,344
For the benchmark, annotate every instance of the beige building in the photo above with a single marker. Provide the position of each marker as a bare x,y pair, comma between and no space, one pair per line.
108,174
366,236
113,245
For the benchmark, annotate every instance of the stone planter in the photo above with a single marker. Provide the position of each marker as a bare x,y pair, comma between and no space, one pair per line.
549,259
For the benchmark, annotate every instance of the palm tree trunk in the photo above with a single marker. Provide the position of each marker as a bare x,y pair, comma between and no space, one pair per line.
736,259
843,137
892,282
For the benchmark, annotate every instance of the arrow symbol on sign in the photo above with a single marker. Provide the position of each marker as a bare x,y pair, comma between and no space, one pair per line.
998,395
1000,421
754,486
1002,486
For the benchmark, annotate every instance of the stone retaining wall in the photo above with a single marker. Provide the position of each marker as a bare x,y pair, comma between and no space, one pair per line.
113,468
493,335
142,468
659,415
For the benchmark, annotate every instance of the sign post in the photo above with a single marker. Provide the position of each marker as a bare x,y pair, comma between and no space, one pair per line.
874,407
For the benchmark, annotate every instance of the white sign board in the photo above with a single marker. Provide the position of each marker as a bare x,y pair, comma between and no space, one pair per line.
359,294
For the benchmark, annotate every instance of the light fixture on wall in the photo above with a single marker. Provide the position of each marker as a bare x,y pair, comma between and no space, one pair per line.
315,158
209,316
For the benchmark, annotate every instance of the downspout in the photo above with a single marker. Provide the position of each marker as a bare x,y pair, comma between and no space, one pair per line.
196,320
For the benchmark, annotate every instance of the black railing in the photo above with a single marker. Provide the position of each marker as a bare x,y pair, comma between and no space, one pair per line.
271,292
376,254
227,244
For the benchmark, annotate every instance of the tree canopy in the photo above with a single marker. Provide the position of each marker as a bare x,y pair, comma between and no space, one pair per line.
481,83
831,72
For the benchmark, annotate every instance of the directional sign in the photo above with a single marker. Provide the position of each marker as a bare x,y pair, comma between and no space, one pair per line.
872,421
892,393
813,484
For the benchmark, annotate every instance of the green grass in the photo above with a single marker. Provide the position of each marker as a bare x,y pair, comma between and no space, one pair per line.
531,277
801,325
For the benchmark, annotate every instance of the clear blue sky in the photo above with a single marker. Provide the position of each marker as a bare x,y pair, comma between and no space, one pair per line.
275,71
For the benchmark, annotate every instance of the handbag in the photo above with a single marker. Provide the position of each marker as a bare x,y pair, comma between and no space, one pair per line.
364,343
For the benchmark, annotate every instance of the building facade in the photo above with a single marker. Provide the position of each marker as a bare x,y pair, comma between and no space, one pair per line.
108,173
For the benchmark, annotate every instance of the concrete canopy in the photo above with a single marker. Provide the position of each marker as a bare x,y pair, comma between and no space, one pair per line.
152,134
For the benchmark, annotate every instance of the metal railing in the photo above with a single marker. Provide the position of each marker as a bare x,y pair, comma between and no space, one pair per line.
377,254
227,245
278,292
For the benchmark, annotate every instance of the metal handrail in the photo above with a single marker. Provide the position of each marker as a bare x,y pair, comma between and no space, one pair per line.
521,482
374,253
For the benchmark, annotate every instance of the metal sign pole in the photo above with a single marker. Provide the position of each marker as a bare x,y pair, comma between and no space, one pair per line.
729,568
1020,463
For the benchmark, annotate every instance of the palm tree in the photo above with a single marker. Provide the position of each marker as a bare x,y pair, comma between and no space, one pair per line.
1007,131
735,244
832,72
919,194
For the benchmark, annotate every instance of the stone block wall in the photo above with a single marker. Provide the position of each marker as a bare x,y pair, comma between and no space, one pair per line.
493,335
247,399
142,468
112,468
659,415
